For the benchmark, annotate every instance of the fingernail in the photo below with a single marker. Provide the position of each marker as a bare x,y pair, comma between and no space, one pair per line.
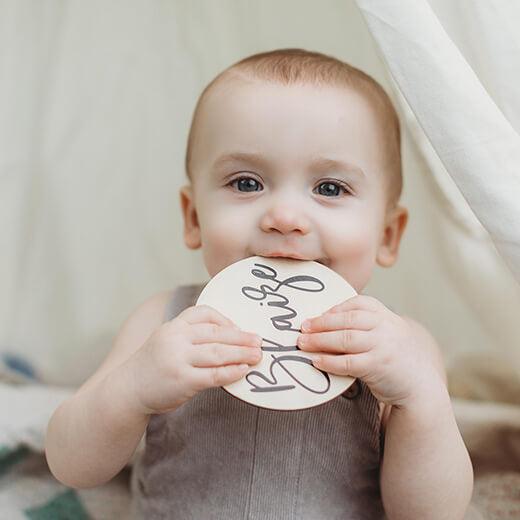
306,325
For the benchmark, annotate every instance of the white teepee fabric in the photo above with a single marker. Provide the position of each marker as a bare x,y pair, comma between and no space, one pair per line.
95,103
96,100
476,143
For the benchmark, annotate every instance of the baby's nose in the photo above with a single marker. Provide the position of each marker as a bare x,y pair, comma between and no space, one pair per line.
285,219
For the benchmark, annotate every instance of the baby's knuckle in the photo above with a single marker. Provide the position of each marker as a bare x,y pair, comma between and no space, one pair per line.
347,337
347,364
350,318
214,329
369,301
196,384
379,318
346,320
215,376
319,322
162,333
385,358
215,352
175,358
175,324
169,368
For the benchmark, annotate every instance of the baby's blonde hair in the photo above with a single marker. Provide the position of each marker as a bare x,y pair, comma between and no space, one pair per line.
293,66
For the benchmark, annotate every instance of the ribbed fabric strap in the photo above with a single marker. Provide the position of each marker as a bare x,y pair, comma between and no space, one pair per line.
218,457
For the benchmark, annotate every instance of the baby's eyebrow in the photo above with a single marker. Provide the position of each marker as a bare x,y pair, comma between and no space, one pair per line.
326,164
234,157
319,164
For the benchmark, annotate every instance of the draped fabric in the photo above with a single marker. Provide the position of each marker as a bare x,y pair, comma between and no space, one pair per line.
96,99
453,66
474,140
95,103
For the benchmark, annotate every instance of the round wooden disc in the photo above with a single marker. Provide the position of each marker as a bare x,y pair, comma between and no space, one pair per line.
271,297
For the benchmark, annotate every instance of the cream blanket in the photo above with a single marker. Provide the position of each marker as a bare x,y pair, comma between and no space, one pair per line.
28,489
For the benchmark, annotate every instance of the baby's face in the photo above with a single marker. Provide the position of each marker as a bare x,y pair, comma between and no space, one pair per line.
290,171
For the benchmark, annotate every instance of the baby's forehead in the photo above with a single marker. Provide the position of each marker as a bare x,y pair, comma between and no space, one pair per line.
242,95
369,125
242,107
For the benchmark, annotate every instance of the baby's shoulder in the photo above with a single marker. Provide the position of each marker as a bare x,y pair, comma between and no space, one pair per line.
135,330
142,321
161,306
149,314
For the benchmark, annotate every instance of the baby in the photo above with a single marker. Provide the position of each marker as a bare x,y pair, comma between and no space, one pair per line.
294,154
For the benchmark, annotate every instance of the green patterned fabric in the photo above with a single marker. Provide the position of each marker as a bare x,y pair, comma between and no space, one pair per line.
28,490
10,457
65,506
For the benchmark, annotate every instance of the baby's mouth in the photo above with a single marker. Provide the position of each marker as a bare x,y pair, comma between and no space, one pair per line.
322,261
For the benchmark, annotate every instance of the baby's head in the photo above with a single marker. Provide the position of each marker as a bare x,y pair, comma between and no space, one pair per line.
295,153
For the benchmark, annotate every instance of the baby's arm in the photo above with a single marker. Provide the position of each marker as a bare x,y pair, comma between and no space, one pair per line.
92,435
426,470
153,368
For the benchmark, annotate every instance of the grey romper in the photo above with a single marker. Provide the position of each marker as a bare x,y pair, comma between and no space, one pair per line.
217,457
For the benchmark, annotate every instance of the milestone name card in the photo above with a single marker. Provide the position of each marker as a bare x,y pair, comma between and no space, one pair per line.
271,297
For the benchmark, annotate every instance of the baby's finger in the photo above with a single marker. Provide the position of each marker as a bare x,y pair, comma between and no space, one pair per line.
218,354
355,365
212,333
360,301
204,314
339,341
203,378
353,319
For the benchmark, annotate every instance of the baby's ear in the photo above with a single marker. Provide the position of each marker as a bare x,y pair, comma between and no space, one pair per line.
394,227
191,221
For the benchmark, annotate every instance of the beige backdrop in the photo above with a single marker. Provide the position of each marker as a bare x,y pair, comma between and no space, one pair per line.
96,98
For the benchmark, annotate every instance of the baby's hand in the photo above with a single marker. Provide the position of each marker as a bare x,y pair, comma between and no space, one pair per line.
200,348
362,338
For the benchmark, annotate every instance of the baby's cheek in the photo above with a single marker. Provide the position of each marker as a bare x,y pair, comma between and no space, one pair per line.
353,256
226,232
223,242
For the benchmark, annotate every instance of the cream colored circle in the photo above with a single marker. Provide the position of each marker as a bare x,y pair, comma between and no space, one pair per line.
271,297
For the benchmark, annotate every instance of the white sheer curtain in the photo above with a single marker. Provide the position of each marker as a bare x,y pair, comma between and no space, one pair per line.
96,99
455,66
472,137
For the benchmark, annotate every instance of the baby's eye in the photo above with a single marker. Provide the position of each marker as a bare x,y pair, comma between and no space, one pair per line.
332,188
245,183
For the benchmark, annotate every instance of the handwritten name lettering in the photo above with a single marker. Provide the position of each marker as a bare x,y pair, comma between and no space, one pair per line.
282,322
301,283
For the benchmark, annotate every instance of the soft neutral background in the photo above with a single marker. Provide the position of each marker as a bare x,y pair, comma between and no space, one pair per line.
95,101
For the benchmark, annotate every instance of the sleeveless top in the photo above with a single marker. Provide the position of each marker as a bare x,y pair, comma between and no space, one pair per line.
217,457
